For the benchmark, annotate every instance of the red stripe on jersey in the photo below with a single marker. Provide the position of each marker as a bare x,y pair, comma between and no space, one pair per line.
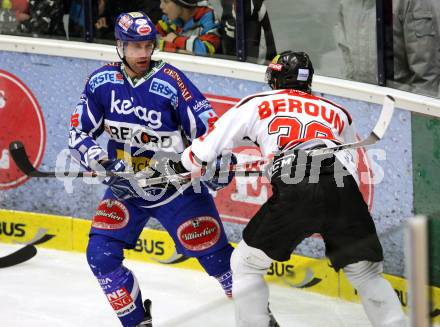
298,94
250,97
193,159
338,106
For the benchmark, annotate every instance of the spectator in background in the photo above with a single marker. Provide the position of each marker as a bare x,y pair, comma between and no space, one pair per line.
6,4
188,26
358,45
76,20
259,39
108,10
257,26
416,43
8,19
227,31
416,33
45,18
21,8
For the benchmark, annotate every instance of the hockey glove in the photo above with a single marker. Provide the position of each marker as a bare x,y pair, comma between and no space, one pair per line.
217,182
121,187
166,166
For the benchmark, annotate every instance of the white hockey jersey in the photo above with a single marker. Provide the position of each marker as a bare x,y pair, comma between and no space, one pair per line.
275,120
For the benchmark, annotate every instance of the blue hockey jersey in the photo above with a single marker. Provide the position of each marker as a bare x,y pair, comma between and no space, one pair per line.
162,111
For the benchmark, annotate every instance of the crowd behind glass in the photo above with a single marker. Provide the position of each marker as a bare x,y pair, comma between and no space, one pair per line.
341,36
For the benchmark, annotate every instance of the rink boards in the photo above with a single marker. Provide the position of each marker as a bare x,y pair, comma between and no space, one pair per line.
154,246
399,179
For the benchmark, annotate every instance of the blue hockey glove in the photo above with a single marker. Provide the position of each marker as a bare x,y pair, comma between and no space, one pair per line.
120,186
222,163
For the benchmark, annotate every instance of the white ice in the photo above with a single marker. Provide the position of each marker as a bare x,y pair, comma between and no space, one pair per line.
56,288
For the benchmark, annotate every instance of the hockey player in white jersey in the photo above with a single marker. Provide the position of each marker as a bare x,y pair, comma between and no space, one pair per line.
280,122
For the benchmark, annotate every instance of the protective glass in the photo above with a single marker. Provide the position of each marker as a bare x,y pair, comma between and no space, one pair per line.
268,75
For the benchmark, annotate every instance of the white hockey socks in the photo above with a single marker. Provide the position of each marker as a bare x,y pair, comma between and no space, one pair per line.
249,289
378,298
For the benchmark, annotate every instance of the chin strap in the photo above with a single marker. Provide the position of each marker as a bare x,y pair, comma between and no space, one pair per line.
118,48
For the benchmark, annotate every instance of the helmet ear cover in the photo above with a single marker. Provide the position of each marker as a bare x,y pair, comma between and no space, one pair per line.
290,70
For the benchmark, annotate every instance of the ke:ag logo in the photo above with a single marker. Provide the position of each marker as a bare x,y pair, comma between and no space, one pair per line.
105,77
162,88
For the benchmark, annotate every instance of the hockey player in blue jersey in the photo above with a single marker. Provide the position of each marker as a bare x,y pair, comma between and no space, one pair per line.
146,107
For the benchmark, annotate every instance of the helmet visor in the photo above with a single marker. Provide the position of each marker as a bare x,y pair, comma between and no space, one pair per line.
139,49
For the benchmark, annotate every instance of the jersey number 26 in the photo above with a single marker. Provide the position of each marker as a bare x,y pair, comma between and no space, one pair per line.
292,131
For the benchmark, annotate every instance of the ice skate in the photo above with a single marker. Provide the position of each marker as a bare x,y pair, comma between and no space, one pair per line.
147,321
273,322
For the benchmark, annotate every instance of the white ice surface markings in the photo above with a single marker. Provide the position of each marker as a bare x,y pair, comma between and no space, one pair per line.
56,288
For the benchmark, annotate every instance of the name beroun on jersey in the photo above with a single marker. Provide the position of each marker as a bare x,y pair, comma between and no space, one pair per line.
126,107
330,114
107,76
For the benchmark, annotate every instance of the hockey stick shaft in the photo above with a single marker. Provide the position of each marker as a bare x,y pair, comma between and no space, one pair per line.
20,157
378,131
377,134
21,255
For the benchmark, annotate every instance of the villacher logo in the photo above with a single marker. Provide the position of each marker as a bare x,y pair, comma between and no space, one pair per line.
199,233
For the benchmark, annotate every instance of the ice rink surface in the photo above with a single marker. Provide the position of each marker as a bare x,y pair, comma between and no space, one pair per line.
56,288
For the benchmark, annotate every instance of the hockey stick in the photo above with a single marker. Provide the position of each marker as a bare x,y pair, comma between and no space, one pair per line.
376,135
20,157
27,252
21,255
184,177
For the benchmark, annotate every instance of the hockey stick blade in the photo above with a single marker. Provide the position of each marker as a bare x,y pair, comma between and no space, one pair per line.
24,254
21,159
376,135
